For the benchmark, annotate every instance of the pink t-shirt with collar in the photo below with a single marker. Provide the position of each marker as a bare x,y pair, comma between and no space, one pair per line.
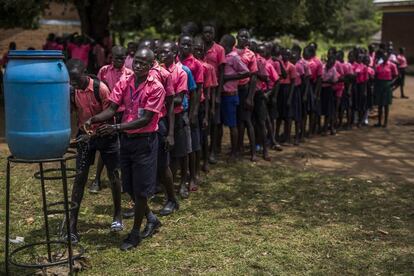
149,95
248,58
290,73
234,65
79,52
87,105
179,82
215,56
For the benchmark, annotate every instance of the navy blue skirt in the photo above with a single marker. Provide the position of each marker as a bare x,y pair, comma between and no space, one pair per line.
359,97
327,102
295,110
282,102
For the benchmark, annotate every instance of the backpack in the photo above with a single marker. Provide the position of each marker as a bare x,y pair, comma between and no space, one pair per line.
96,85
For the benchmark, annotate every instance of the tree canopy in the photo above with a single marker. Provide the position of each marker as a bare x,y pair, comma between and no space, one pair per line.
338,19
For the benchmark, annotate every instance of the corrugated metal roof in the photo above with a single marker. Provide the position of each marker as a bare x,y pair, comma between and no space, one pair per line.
393,2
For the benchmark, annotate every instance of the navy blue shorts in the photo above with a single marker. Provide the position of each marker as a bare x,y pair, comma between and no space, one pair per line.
139,164
195,139
229,110
163,154
107,146
243,114
182,136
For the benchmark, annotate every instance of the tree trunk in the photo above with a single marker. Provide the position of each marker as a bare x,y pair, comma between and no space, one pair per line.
94,16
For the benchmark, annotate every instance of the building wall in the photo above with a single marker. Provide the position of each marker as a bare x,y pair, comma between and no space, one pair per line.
398,27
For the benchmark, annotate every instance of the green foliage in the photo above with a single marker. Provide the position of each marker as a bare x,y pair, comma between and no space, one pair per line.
20,13
357,22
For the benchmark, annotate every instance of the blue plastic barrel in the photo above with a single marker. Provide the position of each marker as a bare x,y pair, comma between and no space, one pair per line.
37,104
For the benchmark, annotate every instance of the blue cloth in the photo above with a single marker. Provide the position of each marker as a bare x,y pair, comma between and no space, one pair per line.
191,84
229,110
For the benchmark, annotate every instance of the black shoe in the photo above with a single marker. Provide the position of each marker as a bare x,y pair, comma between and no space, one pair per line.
184,191
95,187
131,241
150,229
130,213
169,208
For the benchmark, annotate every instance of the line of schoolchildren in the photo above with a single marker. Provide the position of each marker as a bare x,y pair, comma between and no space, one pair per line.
160,107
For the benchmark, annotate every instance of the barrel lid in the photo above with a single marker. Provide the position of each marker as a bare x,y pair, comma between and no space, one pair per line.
35,54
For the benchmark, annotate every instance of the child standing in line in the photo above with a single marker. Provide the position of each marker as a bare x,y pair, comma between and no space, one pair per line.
186,57
234,70
246,90
329,78
210,82
370,88
385,74
402,66
359,102
260,101
344,101
285,108
296,98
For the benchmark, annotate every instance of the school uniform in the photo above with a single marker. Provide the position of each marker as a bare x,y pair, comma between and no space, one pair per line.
370,88
272,105
346,96
339,86
329,76
210,80
359,97
79,52
197,70
316,68
165,78
402,66
110,76
182,132
260,104
287,110
296,103
385,73
230,98
215,56
139,147
307,100
249,59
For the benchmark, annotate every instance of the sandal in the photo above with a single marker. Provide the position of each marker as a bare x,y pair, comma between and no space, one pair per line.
117,226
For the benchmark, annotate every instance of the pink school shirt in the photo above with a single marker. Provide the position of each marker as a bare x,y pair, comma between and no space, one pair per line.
209,72
248,58
150,95
87,105
339,86
361,71
329,75
215,56
164,77
51,45
128,62
316,68
110,75
300,72
79,52
402,61
371,73
234,65
290,73
276,65
273,76
195,67
386,71
179,82
261,66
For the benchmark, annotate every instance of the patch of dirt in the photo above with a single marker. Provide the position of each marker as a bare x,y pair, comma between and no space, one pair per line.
367,152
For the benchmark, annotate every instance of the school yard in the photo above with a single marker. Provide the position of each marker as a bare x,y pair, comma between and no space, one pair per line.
333,206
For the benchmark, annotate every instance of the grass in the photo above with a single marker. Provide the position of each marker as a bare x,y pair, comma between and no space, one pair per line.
247,219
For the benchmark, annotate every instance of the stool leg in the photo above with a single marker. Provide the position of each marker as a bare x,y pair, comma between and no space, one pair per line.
65,195
45,215
6,248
